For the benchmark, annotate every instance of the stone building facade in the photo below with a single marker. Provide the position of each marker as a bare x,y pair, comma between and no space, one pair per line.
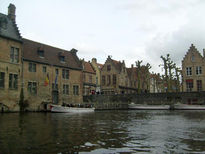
97,67
114,77
10,61
193,71
89,78
156,83
139,79
50,75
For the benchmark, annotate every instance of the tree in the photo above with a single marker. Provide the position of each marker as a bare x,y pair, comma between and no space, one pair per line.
138,65
165,65
169,67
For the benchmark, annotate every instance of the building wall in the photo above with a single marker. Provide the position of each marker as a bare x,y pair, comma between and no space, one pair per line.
9,98
121,79
98,74
193,59
44,93
89,81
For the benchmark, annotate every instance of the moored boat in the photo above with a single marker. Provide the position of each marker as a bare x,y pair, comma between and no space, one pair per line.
65,109
148,107
188,107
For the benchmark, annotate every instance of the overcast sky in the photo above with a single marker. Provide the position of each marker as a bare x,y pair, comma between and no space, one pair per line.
127,30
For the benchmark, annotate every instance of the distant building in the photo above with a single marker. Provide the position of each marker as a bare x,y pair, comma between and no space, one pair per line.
89,78
97,67
62,69
10,61
193,70
114,77
156,83
132,74
139,79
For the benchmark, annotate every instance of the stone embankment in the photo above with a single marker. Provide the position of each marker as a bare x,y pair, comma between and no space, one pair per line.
121,101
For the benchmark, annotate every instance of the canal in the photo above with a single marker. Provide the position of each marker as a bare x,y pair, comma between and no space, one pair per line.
103,132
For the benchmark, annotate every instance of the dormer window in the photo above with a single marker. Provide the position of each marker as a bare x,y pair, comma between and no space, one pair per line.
41,53
62,58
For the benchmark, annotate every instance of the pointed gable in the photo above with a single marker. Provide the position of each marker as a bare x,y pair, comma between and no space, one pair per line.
88,67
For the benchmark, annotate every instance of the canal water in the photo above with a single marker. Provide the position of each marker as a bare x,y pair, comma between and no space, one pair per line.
103,132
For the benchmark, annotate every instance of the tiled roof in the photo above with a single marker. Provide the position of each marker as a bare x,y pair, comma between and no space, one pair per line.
132,72
51,55
99,65
88,67
8,28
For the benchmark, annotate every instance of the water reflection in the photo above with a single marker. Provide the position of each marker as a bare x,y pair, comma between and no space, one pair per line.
103,132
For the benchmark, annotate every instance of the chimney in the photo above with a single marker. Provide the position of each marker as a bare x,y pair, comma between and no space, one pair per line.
132,66
73,51
204,52
12,12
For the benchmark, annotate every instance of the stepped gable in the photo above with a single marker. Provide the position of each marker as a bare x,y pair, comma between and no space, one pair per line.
51,55
9,29
192,49
88,67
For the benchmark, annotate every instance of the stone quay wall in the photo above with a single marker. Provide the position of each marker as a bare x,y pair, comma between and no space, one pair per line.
121,101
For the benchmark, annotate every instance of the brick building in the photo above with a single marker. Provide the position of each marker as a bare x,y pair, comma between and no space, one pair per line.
97,67
60,68
193,70
10,61
114,77
89,78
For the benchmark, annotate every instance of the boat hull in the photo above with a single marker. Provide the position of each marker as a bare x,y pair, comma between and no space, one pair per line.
188,107
148,107
64,109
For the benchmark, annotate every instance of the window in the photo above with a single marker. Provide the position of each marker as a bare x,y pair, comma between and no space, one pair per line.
44,69
108,80
96,80
189,85
90,78
32,67
192,58
13,81
114,79
32,87
66,89
188,71
56,71
108,68
75,90
62,58
65,74
54,86
84,77
199,85
103,80
41,53
198,70
14,55
2,79
135,83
